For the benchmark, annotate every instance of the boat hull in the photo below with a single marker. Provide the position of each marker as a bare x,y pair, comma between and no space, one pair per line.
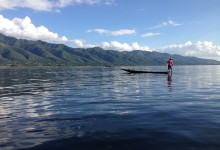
137,71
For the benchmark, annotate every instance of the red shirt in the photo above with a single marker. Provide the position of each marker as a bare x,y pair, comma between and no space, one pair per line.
170,62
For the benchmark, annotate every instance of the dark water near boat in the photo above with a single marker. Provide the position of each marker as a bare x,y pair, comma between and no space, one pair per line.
97,108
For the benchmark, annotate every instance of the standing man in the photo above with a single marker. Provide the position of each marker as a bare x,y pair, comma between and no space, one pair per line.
170,64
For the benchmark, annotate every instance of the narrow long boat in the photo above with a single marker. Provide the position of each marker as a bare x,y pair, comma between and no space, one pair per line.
138,71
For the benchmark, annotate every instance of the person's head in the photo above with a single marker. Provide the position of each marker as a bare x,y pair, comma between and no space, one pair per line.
170,58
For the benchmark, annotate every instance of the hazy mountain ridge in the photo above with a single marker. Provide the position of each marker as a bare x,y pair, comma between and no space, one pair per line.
19,52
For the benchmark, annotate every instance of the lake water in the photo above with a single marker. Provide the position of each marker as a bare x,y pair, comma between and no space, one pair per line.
98,108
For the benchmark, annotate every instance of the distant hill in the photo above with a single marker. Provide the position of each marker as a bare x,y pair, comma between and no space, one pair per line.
19,52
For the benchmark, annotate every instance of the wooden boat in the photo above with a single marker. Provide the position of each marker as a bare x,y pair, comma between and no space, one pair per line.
136,71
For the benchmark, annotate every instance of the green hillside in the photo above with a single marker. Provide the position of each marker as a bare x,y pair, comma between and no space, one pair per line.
19,52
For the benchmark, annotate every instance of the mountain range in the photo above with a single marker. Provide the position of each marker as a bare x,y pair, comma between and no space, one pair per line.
20,52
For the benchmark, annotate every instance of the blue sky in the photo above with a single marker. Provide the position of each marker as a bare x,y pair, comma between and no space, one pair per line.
185,27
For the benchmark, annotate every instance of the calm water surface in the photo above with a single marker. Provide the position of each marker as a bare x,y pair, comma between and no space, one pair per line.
97,108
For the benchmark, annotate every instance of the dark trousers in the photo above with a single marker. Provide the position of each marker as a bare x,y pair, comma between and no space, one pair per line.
169,67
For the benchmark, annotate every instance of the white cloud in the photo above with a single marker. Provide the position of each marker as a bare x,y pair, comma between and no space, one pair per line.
79,43
113,45
100,31
202,49
91,2
23,28
48,5
123,32
39,5
109,2
166,23
113,33
64,3
150,34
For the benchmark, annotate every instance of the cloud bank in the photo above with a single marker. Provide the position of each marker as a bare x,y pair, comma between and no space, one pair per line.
113,45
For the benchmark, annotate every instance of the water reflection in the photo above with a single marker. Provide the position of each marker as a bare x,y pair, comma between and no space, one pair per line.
169,81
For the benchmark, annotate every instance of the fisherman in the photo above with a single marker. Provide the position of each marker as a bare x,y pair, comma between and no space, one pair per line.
170,64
